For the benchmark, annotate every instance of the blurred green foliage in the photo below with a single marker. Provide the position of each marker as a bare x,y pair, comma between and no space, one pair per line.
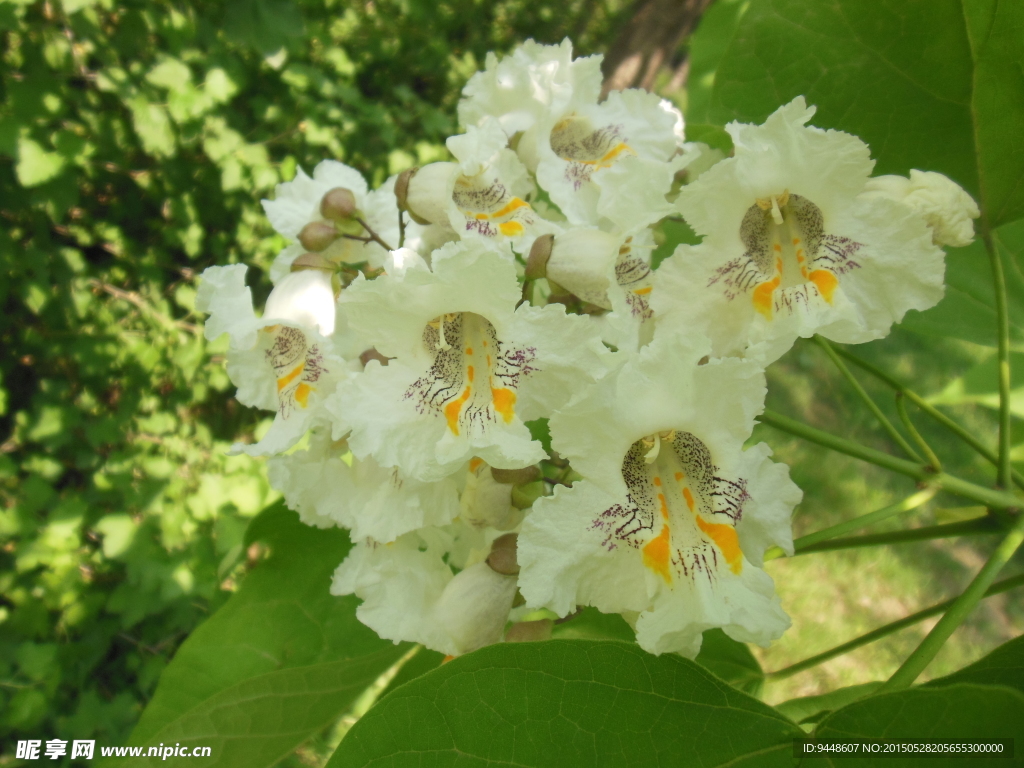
136,140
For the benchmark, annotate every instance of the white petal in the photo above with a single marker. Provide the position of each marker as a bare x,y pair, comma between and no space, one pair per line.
223,294
305,298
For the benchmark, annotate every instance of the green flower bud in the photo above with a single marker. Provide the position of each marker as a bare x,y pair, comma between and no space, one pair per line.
338,204
318,235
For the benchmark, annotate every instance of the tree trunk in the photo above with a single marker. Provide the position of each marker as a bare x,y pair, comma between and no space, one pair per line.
648,42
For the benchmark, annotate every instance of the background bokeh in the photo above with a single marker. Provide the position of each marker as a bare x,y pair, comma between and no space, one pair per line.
136,141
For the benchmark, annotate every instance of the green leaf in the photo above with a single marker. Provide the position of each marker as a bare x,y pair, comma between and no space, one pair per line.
714,136
981,385
153,127
707,47
35,165
968,310
812,708
591,624
1004,666
928,84
568,703
732,661
265,25
959,711
277,662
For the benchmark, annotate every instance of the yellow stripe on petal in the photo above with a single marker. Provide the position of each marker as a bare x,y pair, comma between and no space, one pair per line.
826,283
511,228
504,402
302,393
289,377
728,542
656,554
762,297
453,410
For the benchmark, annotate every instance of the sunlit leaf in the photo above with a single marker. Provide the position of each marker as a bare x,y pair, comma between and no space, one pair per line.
568,702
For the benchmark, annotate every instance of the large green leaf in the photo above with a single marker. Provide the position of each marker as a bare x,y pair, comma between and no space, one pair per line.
960,711
1004,666
568,703
929,84
277,663
732,661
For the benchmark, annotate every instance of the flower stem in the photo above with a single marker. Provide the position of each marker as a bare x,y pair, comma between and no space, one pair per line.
401,228
888,629
373,235
912,502
1003,326
866,398
990,498
932,411
976,527
901,408
960,608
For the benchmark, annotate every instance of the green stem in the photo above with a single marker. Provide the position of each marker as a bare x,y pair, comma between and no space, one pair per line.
866,398
401,228
958,611
906,505
945,482
932,411
888,629
901,409
1003,325
978,526
842,445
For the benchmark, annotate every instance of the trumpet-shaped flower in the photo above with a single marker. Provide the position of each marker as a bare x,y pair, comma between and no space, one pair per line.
791,245
467,368
327,487
283,361
613,161
483,194
673,517
527,86
409,592
611,271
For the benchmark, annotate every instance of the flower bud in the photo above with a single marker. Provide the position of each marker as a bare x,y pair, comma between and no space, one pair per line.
515,476
487,503
529,631
523,496
311,261
338,204
317,235
946,208
304,298
582,261
474,607
536,264
503,555
430,193
402,193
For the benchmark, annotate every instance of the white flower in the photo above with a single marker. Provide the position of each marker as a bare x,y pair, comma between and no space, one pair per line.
947,209
328,487
791,247
467,370
673,518
280,362
483,194
296,204
613,161
611,271
409,592
528,85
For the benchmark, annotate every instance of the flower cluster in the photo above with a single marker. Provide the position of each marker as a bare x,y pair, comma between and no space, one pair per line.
423,337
